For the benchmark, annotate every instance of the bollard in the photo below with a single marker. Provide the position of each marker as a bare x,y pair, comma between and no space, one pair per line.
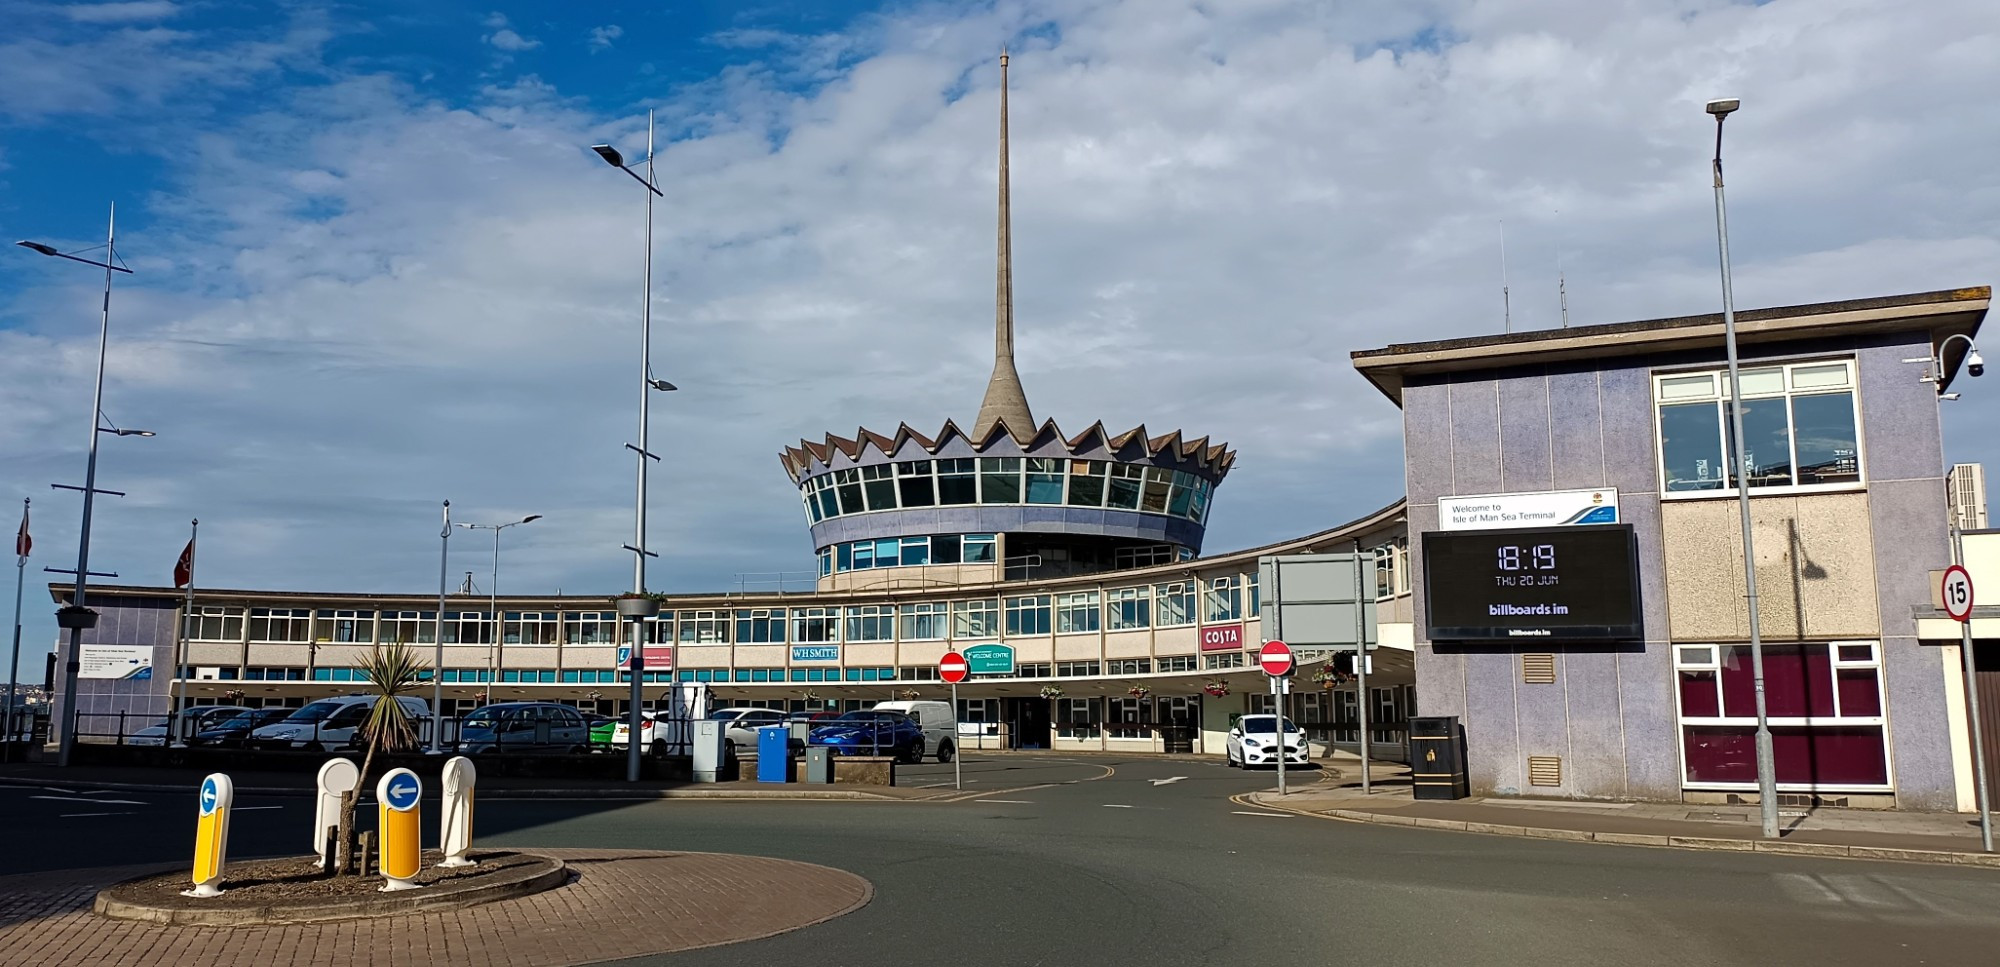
455,823
336,778
399,825
211,835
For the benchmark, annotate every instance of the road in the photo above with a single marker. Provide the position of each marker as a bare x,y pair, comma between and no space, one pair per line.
1148,861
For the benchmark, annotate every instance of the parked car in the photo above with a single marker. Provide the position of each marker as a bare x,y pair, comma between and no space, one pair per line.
872,732
231,733
612,734
1253,741
743,723
818,716
523,727
198,718
939,724
330,723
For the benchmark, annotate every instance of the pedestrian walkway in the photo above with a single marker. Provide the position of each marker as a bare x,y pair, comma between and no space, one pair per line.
1863,833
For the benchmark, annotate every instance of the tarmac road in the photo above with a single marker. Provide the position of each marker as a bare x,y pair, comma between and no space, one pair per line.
1106,861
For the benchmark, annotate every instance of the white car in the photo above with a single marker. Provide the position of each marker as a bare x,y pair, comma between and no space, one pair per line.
201,717
330,723
1253,741
741,731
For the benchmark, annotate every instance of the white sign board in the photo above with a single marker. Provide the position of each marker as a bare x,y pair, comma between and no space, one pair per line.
115,661
1554,508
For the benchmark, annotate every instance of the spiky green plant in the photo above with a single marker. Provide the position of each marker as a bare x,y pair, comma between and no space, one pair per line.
392,670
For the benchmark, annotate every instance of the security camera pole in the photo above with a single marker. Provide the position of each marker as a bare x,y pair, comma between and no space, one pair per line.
1767,777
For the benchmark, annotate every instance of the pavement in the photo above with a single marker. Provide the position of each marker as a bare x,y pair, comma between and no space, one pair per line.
1864,833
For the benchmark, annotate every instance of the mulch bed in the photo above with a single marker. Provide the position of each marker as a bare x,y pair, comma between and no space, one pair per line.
293,888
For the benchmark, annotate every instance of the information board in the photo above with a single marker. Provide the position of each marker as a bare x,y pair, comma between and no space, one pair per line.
1573,582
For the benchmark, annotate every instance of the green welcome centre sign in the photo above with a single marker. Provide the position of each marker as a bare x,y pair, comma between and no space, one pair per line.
990,660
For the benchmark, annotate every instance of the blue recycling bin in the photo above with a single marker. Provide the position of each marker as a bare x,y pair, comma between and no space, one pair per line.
774,754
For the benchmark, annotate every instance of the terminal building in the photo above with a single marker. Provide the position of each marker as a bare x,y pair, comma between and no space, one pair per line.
1565,575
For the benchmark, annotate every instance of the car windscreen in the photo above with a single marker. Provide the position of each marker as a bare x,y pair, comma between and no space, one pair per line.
241,720
726,715
316,712
484,718
872,716
1262,723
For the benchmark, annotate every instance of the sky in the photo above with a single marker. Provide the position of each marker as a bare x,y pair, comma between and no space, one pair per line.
377,267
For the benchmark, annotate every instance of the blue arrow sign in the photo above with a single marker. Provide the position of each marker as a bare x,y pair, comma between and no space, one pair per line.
208,795
403,793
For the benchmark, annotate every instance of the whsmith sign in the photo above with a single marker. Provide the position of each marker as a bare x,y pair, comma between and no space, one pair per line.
1555,508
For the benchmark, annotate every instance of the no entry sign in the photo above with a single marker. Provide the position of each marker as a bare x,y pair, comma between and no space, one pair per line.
952,667
1276,658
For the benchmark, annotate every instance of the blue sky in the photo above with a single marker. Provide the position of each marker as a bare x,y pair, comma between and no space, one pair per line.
379,268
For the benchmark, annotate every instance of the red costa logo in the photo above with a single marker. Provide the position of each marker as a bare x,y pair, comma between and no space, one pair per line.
1222,638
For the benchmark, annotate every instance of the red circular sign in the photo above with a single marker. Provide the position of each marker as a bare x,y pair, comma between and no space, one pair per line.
1956,589
952,668
1276,657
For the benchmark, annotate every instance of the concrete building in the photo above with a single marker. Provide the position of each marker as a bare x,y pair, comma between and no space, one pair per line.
1848,498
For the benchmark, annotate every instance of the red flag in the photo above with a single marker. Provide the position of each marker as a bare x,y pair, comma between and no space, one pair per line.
22,542
184,568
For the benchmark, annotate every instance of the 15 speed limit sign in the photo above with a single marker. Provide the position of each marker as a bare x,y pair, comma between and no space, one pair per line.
1956,589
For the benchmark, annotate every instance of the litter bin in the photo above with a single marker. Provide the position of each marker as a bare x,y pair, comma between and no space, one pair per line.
708,750
774,754
1437,758
819,764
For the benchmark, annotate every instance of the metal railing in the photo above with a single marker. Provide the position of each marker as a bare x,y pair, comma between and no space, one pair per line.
667,735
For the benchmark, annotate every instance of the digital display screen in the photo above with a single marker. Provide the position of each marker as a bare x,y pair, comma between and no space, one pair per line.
1577,582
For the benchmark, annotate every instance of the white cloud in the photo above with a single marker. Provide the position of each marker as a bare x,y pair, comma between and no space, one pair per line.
602,37
131,69
101,13
504,37
390,300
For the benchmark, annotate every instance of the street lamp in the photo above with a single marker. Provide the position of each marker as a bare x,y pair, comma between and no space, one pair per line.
493,593
647,386
1767,774
1935,375
75,617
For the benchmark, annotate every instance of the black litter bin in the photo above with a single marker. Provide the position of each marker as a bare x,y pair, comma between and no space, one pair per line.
1437,758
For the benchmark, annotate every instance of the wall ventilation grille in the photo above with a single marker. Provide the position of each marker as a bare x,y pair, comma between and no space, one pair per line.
1538,669
1545,770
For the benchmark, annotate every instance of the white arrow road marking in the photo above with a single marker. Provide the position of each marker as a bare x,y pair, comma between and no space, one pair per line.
1241,812
106,802
1164,782
1113,805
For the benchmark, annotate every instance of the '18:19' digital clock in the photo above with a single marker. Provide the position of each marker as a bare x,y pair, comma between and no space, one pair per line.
1575,582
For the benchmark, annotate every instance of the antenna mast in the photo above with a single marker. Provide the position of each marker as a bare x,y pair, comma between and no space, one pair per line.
1562,286
1506,305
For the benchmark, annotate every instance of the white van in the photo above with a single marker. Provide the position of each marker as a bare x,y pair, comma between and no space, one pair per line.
330,723
937,720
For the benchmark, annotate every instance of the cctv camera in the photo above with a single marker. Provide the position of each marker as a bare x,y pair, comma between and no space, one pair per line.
1975,365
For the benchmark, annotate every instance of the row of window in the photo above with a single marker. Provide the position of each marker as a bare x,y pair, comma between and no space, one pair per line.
1222,599
456,676
1800,428
216,623
908,552
549,676
1007,480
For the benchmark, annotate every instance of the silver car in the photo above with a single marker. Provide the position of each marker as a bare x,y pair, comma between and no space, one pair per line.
193,720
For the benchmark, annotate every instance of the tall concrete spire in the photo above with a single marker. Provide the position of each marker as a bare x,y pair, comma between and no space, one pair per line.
1005,399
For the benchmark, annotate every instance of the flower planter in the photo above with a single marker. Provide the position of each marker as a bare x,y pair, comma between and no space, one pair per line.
638,607
76,619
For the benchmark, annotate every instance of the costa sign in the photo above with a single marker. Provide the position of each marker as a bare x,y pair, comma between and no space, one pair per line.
1222,638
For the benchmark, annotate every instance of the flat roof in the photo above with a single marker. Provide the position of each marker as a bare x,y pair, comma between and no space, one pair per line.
1942,313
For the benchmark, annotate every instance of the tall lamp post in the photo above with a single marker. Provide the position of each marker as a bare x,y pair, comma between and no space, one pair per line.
76,617
437,638
1975,366
493,594
1767,771
647,386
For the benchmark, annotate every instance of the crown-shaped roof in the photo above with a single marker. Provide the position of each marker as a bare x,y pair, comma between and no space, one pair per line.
1215,458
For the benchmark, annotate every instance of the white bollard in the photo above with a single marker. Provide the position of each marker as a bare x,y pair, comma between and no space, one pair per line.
336,778
211,837
455,823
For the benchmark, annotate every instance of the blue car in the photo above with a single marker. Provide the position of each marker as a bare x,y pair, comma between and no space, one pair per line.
872,733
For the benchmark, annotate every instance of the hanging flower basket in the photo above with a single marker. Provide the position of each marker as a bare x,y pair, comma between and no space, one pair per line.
809,695
1052,691
635,605
1138,691
1216,689
910,694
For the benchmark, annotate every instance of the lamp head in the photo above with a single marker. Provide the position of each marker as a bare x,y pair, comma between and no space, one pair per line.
609,154
39,247
1974,364
530,518
1722,107
662,385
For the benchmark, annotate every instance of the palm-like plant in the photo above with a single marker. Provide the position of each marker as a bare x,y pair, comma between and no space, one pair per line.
392,671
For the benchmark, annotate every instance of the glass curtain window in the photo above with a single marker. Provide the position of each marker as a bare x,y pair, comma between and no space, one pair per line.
1000,480
280,624
874,622
702,627
1086,483
957,481
347,626
590,627
1129,608
1224,599
976,619
1028,615
1157,483
1173,604
1125,485
878,483
915,484
815,625
978,549
1825,704
847,483
1799,427
1077,612
944,549
760,626
415,627
925,622
215,624
1045,480
916,551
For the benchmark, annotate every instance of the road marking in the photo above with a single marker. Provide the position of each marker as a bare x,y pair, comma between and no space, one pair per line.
1245,812
81,815
104,802
1014,802
1113,805
1165,782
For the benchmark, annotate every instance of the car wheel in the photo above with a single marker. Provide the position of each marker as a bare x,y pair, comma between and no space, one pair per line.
914,754
660,747
946,752
1229,759
728,749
